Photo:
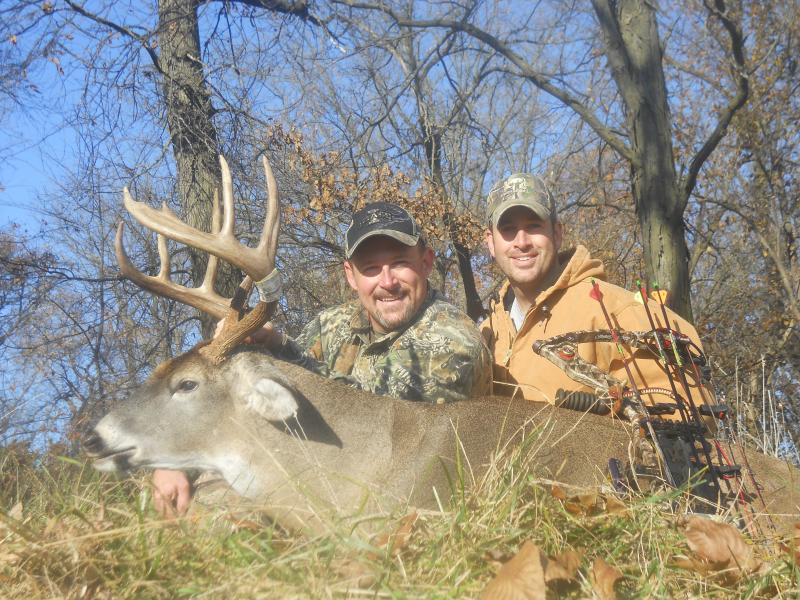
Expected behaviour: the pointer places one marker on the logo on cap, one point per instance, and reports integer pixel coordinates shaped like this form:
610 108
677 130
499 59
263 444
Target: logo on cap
381 218
520 189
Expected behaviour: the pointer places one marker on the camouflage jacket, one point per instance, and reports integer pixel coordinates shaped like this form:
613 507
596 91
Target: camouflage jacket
438 357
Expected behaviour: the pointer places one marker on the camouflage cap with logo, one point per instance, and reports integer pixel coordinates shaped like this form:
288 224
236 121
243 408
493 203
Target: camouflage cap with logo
520 189
381 218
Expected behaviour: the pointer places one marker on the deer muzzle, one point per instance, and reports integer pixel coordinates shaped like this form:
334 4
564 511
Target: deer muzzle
106 457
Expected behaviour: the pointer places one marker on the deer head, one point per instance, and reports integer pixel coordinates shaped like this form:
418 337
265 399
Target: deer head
159 426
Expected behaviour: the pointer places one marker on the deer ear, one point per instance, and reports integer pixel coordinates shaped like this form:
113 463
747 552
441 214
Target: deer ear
272 400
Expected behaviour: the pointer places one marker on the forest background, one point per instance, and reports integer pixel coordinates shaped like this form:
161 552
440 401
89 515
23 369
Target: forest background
668 132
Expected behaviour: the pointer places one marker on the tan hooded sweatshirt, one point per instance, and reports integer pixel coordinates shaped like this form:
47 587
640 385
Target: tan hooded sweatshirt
567 307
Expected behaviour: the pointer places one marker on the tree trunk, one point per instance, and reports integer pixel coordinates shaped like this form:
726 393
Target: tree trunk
433 153
192 132
634 54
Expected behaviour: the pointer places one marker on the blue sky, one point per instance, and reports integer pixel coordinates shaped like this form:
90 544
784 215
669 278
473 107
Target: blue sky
32 144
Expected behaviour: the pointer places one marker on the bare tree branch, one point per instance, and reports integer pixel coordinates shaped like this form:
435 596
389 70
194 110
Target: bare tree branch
144 41
526 70
742 91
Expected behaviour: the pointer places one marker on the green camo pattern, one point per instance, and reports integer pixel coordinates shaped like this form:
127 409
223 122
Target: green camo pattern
439 357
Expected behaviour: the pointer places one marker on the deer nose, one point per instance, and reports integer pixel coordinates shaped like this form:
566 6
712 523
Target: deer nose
92 443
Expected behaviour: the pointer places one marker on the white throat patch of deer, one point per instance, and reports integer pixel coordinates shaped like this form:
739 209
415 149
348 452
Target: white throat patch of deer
305 446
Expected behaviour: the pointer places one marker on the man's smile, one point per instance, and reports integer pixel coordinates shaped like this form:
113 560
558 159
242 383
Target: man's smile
390 299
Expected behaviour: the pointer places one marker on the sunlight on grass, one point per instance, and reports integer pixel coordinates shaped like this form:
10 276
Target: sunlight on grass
67 531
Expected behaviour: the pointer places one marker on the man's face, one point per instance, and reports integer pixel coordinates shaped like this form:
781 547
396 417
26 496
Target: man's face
525 248
390 279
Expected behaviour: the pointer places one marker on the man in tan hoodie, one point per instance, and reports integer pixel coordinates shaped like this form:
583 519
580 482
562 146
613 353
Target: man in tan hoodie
547 294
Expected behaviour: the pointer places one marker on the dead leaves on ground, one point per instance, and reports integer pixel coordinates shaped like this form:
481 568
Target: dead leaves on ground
718 549
588 503
397 539
604 577
521 578
527 575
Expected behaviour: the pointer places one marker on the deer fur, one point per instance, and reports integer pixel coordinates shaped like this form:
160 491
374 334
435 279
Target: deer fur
307 447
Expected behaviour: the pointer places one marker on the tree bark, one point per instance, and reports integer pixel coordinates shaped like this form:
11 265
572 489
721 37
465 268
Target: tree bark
634 55
194 138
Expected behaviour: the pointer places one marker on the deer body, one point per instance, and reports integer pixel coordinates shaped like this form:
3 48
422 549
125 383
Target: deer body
306 446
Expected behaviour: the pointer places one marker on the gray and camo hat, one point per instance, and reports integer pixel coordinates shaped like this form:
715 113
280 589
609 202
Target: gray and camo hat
381 218
520 189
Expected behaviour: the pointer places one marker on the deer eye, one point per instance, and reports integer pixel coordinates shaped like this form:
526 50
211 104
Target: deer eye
187 385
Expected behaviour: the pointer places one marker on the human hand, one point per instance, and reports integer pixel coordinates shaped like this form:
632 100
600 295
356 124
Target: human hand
172 492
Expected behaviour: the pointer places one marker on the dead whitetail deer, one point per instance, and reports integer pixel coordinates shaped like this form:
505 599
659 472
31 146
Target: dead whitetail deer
305 446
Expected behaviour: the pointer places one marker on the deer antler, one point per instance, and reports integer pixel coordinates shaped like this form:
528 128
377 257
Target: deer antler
258 263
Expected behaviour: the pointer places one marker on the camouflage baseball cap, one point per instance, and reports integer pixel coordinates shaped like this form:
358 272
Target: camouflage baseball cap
520 189
381 218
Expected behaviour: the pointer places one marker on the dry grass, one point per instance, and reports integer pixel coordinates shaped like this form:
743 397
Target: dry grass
66 531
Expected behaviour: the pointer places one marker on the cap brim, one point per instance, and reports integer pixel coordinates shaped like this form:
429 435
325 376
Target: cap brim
539 209
403 238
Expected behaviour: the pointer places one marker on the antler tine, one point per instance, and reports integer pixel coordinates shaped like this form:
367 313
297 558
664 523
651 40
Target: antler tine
258 263
237 326
227 198
213 261
223 244
204 300
269 235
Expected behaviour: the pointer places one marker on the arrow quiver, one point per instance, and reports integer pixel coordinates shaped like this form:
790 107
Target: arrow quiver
674 429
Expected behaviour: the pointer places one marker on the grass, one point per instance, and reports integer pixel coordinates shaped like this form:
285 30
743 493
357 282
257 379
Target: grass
68 531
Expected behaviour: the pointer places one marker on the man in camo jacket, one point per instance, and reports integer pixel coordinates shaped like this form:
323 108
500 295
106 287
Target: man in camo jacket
401 338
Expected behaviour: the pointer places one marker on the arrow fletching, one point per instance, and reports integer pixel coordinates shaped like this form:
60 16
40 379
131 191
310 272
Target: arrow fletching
659 296
595 294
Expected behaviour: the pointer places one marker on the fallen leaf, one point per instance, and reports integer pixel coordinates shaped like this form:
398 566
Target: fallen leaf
719 544
604 577
398 539
576 504
521 578
718 548
563 566
583 504
558 492
588 503
614 505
